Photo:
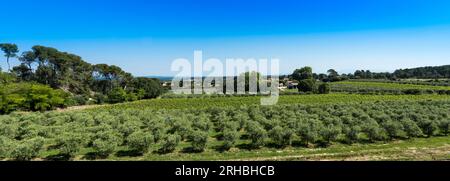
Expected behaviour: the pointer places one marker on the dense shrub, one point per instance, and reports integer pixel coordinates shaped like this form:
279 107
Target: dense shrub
80 99
100 98
306 85
324 88
147 87
133 97
29 97
6 78
117 95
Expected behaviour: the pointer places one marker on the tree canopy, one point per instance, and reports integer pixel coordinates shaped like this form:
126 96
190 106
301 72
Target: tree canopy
10 51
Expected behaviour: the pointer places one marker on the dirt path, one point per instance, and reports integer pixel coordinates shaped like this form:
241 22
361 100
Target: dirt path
74 108
438 153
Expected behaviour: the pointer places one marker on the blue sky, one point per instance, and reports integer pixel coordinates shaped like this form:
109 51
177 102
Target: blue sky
144 37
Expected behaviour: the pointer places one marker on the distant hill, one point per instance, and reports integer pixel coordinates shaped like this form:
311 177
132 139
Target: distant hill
424 72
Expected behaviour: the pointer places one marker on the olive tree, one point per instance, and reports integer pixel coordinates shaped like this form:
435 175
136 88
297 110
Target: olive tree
444 126
229 136
393 128
6 147
330 133
69 144
106 143
352 133
256 133
198 140
140 141
372 129
308 131
170 143
28 149
281 136
429 127
411 128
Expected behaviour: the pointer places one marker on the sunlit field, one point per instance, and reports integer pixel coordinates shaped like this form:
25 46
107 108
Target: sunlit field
300 127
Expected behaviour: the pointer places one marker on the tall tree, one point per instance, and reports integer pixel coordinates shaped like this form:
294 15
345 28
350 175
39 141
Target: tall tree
109 77
333 75
302 74
305 78
10 51
28 58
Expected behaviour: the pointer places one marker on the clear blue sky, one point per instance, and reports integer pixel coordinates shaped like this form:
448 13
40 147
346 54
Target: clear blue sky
144 36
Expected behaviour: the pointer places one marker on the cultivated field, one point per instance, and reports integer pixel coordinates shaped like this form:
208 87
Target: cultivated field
301 127
374 87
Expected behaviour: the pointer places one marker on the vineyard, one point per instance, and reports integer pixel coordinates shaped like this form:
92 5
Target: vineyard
237 101
429 82
376 87
227 127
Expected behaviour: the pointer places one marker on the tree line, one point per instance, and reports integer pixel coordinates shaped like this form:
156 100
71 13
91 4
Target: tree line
429 72
81 81
424 72
307 80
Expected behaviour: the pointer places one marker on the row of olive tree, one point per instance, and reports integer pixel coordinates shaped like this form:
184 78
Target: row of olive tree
140 131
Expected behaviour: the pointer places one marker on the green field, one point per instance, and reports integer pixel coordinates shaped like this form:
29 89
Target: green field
204 103
300 127
382 85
